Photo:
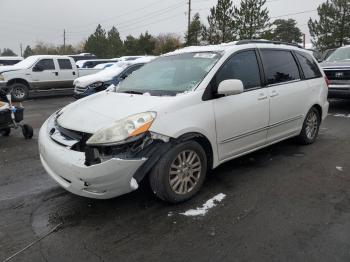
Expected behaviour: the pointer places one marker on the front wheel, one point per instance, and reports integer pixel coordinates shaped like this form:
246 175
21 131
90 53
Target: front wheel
19 92
27 131
180 173
310 128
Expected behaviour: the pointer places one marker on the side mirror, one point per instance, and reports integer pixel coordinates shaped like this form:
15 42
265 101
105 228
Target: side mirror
38 68
230 87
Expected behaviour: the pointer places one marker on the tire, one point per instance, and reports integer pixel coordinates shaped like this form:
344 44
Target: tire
19 92
5 131
27 131
311 127
186 179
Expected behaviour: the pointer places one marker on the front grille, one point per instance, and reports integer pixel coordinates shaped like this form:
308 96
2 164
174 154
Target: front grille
79 138
80 90
337 74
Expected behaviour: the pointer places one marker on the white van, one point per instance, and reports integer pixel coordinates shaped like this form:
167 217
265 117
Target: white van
182 114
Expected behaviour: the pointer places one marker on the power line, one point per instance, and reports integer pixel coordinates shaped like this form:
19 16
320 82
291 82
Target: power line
122 15
131 22
297 13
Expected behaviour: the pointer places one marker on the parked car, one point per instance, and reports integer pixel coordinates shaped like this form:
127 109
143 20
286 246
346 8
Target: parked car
83 56
337 69
127 58
40 73
91 84
316 54
91 63
10 60
327 53
182 114
104 65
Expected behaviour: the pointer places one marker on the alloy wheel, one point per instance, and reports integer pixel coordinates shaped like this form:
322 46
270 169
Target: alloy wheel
185 172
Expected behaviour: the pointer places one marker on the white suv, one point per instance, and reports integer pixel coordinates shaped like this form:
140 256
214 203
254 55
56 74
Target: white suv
182 114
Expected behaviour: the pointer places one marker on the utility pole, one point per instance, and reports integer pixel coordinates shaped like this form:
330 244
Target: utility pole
304 40
189 19
21 48
64 41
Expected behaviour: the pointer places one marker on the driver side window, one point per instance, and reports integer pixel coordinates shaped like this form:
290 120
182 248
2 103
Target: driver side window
46 64
243 66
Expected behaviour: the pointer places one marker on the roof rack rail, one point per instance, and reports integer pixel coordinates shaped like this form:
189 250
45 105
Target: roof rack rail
244 42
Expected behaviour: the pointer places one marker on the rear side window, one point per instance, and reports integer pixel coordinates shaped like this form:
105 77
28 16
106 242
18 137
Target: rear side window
309 66
47 64
65 64
243 66
279 66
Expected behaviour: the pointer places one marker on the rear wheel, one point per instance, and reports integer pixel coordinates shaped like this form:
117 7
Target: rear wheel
311 127
180 173
19 92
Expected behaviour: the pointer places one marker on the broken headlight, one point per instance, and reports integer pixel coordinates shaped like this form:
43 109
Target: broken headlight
122 130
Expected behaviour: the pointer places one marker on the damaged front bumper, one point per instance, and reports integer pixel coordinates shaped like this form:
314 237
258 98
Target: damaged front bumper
102 180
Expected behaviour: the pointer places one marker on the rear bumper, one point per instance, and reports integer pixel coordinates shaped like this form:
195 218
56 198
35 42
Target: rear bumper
109 179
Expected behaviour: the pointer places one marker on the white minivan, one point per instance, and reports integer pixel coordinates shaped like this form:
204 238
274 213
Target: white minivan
182 114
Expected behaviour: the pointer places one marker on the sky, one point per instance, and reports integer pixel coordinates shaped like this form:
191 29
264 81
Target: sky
30 21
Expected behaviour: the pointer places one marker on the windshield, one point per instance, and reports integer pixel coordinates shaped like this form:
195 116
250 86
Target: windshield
341 54
28 62
170 75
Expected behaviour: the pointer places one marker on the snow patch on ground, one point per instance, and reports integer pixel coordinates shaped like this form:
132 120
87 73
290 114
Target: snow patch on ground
342 115
339 168
201 211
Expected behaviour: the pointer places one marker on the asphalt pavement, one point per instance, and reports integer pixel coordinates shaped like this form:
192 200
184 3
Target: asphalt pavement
283 203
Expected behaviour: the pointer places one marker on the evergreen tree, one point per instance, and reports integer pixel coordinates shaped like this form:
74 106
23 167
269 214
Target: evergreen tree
220 23
252 19
193 37
333 28
28 51
131 46
286 31
8 52
115 44
97 43
146 44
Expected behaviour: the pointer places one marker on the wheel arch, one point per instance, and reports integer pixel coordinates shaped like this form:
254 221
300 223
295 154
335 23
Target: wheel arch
204 142
319 109
18 80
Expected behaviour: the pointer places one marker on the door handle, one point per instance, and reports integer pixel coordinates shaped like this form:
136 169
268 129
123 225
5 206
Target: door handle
56 73
262 97
274 93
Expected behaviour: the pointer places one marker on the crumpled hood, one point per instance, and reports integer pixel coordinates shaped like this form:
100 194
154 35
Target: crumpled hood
4 69
102 76
339 64
101 110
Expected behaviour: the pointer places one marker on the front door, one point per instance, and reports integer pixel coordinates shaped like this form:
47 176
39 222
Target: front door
44 74
241 120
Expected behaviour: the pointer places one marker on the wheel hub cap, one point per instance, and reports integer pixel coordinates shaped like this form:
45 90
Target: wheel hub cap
185 172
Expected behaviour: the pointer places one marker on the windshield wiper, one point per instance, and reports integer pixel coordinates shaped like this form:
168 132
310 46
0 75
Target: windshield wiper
132 92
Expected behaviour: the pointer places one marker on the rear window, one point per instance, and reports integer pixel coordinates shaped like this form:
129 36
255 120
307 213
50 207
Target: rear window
279 66
65 64
309 66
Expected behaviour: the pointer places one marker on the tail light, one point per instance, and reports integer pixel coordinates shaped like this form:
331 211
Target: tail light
327 81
